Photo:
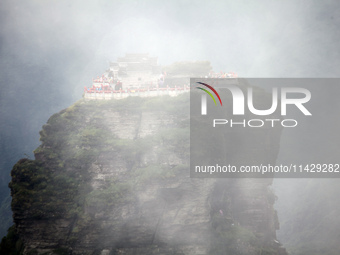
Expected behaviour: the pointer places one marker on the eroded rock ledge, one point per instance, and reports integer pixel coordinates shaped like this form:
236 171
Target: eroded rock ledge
112 178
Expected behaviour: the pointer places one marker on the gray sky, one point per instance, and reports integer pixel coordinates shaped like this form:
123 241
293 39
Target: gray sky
253 38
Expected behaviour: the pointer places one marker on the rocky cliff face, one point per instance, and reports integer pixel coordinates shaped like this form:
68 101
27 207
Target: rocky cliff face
112 178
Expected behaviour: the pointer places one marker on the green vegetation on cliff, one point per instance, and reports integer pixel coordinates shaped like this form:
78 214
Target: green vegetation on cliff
55 184
116 174
11 244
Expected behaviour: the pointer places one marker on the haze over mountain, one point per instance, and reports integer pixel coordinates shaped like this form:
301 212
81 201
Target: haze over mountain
50 50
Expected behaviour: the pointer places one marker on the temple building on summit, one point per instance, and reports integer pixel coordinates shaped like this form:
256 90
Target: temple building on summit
141 75
136 71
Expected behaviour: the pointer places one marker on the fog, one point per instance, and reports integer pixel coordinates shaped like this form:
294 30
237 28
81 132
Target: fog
50 50
262 39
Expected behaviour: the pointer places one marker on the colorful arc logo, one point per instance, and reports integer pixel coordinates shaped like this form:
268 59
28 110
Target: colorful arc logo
213 90
204 97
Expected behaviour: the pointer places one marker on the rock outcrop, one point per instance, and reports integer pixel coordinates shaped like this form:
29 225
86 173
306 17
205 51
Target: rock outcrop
112 178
